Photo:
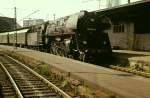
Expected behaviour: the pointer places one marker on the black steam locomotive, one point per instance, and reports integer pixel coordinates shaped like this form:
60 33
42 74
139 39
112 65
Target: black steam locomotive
82 36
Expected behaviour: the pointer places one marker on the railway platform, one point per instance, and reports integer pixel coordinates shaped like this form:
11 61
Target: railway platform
133 58
125 85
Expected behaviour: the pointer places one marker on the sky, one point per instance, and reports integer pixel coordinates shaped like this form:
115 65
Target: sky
45 9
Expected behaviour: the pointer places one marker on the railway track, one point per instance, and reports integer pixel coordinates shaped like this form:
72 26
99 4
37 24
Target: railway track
26 82
7 89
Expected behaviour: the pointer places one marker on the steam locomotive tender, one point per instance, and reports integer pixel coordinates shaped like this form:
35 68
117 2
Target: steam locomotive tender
81 36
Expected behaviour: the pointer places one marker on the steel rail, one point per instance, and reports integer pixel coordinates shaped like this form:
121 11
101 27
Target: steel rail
18 92
58 90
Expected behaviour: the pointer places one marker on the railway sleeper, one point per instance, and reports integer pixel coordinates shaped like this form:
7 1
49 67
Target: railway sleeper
29 89
26 86
37 91
48 95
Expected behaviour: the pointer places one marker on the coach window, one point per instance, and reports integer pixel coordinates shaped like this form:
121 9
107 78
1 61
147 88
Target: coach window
118 28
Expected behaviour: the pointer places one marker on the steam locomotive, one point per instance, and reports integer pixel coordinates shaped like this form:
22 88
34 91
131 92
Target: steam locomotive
82 36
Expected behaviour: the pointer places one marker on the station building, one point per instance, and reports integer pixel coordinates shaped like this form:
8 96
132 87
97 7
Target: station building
130 25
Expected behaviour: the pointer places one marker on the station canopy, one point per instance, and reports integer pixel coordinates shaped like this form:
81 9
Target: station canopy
132 11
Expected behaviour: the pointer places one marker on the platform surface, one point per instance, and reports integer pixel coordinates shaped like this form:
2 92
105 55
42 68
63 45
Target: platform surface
124 84
137 55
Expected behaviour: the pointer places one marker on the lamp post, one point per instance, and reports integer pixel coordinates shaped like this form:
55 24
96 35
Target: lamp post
128 1
54 15
15 28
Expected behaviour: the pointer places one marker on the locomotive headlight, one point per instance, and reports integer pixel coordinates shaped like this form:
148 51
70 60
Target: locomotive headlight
84 42
104 42
92 19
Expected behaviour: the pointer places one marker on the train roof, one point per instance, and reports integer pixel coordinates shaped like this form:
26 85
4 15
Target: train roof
5 33
18 31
